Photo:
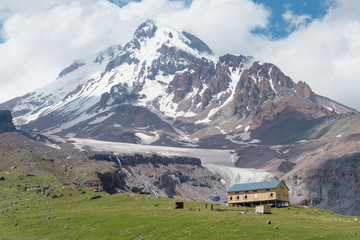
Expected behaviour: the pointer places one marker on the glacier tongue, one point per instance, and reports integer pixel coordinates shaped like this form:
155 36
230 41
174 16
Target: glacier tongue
234 175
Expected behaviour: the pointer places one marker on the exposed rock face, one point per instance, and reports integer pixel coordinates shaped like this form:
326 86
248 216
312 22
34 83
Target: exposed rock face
6 124
154 159
175 177
145 30
75 65
110 180
207 78
196 43
265 82
333 185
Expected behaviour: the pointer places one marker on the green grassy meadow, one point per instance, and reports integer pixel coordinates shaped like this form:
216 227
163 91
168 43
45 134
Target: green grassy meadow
29 212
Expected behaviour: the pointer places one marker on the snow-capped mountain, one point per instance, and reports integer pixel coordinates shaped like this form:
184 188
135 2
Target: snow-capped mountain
166 87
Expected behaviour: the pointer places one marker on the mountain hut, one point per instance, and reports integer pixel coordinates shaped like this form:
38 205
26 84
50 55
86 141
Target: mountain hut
275 193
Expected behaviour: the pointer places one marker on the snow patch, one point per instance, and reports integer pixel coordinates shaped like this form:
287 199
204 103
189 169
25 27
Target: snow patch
100 119
147 139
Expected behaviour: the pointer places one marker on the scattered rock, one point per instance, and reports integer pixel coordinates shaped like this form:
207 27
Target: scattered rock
47 218
268 222
355 219
57 195
95 197
198 209
155 205
2 178
354 233
296 212
276 227
215 198
66 226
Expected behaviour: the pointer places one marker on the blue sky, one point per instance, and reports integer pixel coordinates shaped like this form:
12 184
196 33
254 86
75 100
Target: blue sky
278 27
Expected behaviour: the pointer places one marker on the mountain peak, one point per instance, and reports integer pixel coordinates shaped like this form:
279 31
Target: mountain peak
197 43
145 30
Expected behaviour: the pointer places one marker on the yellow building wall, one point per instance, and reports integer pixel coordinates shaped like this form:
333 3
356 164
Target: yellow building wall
279 193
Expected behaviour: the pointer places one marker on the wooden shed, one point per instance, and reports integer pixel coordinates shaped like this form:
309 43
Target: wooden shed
266 208
275 193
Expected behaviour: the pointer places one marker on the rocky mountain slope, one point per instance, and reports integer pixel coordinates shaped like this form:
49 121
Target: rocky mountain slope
176 177
168 88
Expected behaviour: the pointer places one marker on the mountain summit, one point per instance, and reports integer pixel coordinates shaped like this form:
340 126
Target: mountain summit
167 87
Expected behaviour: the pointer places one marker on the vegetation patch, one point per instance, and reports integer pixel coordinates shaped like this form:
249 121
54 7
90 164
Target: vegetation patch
40 206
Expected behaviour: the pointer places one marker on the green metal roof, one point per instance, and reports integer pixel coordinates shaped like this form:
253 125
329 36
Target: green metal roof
253 186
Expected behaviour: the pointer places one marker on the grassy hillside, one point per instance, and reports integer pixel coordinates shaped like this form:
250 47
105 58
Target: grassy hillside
32 207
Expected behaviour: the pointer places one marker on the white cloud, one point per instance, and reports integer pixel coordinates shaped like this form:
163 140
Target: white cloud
40 42
295 21
42 38
325 54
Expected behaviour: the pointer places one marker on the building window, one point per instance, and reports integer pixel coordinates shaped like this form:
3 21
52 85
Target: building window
237 197
267 190
254 190
236 192
270 195
246 191
230 198
256 196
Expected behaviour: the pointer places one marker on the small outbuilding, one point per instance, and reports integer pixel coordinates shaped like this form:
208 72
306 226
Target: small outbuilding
179 205
274 193
266 208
